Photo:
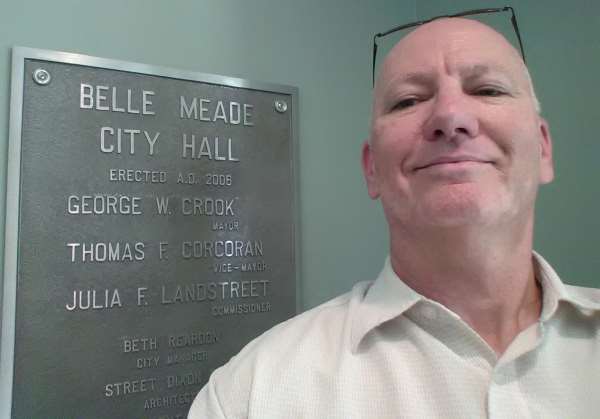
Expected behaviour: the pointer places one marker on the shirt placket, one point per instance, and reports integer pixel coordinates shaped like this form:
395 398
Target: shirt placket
506 396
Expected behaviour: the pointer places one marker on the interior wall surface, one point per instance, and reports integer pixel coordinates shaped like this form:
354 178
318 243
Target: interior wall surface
322 47
562 48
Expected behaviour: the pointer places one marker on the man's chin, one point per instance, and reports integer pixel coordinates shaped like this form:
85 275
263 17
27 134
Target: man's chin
453 207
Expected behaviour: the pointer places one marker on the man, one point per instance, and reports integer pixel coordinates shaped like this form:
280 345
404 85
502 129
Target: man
464 321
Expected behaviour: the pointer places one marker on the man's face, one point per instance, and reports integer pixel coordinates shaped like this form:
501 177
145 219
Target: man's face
455 135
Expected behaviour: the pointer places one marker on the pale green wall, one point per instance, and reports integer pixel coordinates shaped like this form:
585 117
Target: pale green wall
562 46
321 46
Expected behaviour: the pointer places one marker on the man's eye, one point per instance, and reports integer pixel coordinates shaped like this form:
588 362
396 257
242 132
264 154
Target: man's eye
489 91
405 103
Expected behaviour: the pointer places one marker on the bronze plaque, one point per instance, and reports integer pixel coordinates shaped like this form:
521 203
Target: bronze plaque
153 237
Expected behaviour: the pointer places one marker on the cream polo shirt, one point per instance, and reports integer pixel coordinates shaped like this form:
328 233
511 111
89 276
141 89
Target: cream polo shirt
384 351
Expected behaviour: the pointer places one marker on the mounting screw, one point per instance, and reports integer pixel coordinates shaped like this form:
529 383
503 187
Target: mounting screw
41 76
280 105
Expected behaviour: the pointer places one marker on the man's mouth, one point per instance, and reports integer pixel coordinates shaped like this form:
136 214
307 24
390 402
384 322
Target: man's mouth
452 161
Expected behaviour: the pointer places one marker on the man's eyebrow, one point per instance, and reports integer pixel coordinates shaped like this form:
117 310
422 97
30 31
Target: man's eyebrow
473 72
416 77
396 84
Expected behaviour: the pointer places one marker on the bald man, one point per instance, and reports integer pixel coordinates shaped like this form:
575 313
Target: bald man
465 320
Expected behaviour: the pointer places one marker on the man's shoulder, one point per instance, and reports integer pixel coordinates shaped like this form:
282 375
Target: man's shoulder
304 333
310 328
286 356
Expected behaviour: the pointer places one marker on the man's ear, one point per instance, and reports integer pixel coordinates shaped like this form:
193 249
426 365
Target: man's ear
369 170
546 161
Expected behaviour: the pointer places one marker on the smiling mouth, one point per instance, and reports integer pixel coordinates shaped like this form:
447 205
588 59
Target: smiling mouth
452 163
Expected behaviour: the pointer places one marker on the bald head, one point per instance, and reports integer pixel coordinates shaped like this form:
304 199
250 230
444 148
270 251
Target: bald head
455 136
459 43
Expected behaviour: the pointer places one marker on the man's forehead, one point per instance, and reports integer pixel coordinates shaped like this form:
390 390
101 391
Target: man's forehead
467 44
447 30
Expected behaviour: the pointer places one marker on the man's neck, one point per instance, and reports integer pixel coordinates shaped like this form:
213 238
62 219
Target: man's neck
489 283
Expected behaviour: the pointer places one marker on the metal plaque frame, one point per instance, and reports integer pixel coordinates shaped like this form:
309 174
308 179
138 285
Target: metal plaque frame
19 57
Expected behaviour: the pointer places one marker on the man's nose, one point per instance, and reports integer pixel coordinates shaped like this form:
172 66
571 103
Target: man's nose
451 120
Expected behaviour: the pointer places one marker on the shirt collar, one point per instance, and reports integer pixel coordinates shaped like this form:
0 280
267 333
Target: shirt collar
389 297
555 291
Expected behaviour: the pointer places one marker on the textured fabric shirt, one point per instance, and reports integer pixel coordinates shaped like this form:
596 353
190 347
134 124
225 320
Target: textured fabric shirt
384 351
